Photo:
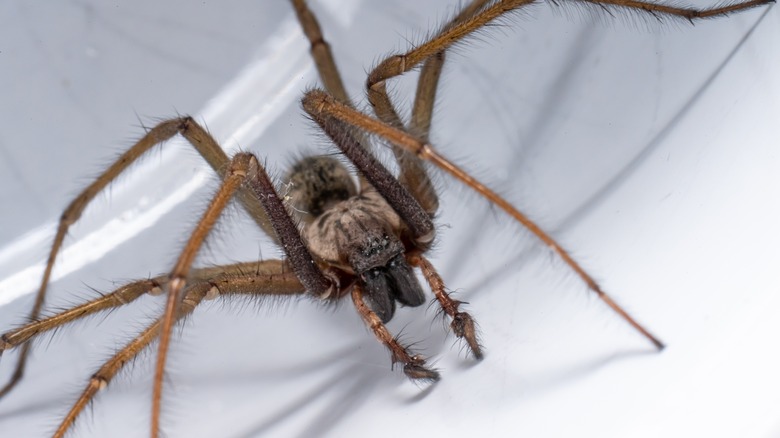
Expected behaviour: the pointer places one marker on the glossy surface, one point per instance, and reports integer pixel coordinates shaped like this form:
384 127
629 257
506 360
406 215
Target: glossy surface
651 155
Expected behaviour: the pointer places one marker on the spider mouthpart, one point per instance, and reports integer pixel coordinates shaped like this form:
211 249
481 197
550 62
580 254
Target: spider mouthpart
378 295
395 281
407 289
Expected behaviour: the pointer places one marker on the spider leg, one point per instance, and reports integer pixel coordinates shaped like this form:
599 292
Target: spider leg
411 212
203 143
412 173
21 335
103 376
479 14
271 277
417 220
474 17
325 62
320 51
689 13
119 297
327 111
239 167
427 84
244 168
414 365
462 323
126 294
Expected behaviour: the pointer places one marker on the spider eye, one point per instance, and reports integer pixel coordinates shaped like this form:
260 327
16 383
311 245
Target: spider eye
373 274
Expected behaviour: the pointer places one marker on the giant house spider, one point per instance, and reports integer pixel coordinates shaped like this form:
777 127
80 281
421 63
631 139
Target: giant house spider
543 332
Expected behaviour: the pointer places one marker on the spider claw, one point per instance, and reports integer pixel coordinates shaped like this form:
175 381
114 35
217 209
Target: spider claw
464 328
416 370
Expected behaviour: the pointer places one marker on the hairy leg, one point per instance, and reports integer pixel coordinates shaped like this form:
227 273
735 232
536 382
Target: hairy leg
203 143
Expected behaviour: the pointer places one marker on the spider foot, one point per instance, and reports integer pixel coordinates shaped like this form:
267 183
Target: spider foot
464 328
415 369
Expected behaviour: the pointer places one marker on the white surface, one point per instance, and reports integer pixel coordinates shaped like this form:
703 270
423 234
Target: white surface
651 155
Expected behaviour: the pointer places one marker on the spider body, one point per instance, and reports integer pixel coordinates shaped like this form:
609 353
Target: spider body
357 233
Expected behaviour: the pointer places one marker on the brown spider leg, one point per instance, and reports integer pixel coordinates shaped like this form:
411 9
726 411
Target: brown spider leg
298 256
413 215
414 176
203 143
125 295
396 65
427 84
412 173
417 220
399 64
462 323
103 376
414 365
239 167
659 9
324 107
473 18
320 51
325 62
425 96
244 167
270 277
121 296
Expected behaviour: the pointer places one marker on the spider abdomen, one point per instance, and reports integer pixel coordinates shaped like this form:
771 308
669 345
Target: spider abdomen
314 184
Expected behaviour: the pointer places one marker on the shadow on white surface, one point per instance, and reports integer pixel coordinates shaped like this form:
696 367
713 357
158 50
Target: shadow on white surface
652 156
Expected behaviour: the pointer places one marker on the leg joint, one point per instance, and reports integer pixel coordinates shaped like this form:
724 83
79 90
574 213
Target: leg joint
185 123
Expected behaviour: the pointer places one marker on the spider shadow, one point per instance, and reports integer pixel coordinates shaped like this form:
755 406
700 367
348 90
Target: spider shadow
350 383
320 378
560 376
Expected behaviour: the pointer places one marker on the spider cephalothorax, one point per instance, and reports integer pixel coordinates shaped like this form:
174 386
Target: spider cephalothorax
358 233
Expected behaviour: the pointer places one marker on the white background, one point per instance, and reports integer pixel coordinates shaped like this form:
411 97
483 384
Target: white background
650 152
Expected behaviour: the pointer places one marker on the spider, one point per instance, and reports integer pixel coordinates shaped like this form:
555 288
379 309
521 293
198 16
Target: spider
340 274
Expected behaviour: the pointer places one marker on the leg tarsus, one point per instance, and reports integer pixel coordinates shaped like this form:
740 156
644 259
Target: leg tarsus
462 323
414 365
464 328
416 370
